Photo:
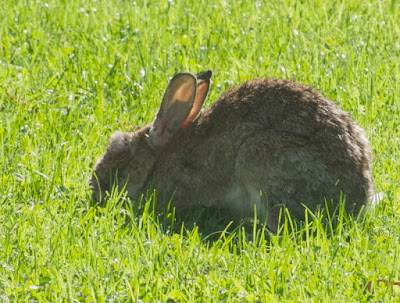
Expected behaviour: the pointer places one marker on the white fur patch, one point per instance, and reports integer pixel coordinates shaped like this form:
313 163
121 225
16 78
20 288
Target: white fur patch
364 138
375 199
243 200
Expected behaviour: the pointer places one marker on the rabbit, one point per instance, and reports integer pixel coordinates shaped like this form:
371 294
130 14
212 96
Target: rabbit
264 146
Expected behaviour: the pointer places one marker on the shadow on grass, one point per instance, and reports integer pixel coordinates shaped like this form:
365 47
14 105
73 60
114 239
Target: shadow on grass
213 224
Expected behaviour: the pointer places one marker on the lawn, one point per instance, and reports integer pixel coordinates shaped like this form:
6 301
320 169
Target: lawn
73 72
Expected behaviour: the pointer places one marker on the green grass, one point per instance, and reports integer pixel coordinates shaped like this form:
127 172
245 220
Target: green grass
72 72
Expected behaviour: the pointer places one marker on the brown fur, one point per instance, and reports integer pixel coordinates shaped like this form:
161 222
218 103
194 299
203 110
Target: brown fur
273 136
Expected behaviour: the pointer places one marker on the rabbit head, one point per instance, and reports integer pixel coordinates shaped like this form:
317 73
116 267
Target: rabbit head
131 157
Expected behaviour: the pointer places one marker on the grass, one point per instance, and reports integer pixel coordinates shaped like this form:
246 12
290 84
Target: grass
73 72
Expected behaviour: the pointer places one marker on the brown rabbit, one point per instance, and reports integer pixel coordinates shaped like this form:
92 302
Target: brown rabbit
263 145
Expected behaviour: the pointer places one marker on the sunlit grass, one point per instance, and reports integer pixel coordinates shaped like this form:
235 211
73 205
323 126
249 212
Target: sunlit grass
72 72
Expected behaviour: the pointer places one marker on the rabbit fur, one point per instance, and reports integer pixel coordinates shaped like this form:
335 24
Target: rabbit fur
264 145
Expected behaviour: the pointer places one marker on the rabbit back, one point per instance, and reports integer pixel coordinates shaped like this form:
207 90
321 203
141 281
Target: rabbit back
272 136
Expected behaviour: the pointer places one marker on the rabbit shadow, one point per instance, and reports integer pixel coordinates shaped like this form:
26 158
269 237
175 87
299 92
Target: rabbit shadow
213 223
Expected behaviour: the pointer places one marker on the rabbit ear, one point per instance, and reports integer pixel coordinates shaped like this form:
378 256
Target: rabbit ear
202 91
175 107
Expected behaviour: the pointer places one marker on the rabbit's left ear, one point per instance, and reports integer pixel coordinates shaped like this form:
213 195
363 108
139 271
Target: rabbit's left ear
202 91
174 109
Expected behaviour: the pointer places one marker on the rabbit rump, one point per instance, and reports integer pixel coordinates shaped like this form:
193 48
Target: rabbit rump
264 145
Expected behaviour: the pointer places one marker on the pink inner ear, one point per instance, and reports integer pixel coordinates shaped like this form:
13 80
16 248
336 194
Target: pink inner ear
184 124
176 105
202 90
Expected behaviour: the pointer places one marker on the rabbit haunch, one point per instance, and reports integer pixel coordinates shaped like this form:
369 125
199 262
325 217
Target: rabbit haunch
275 137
